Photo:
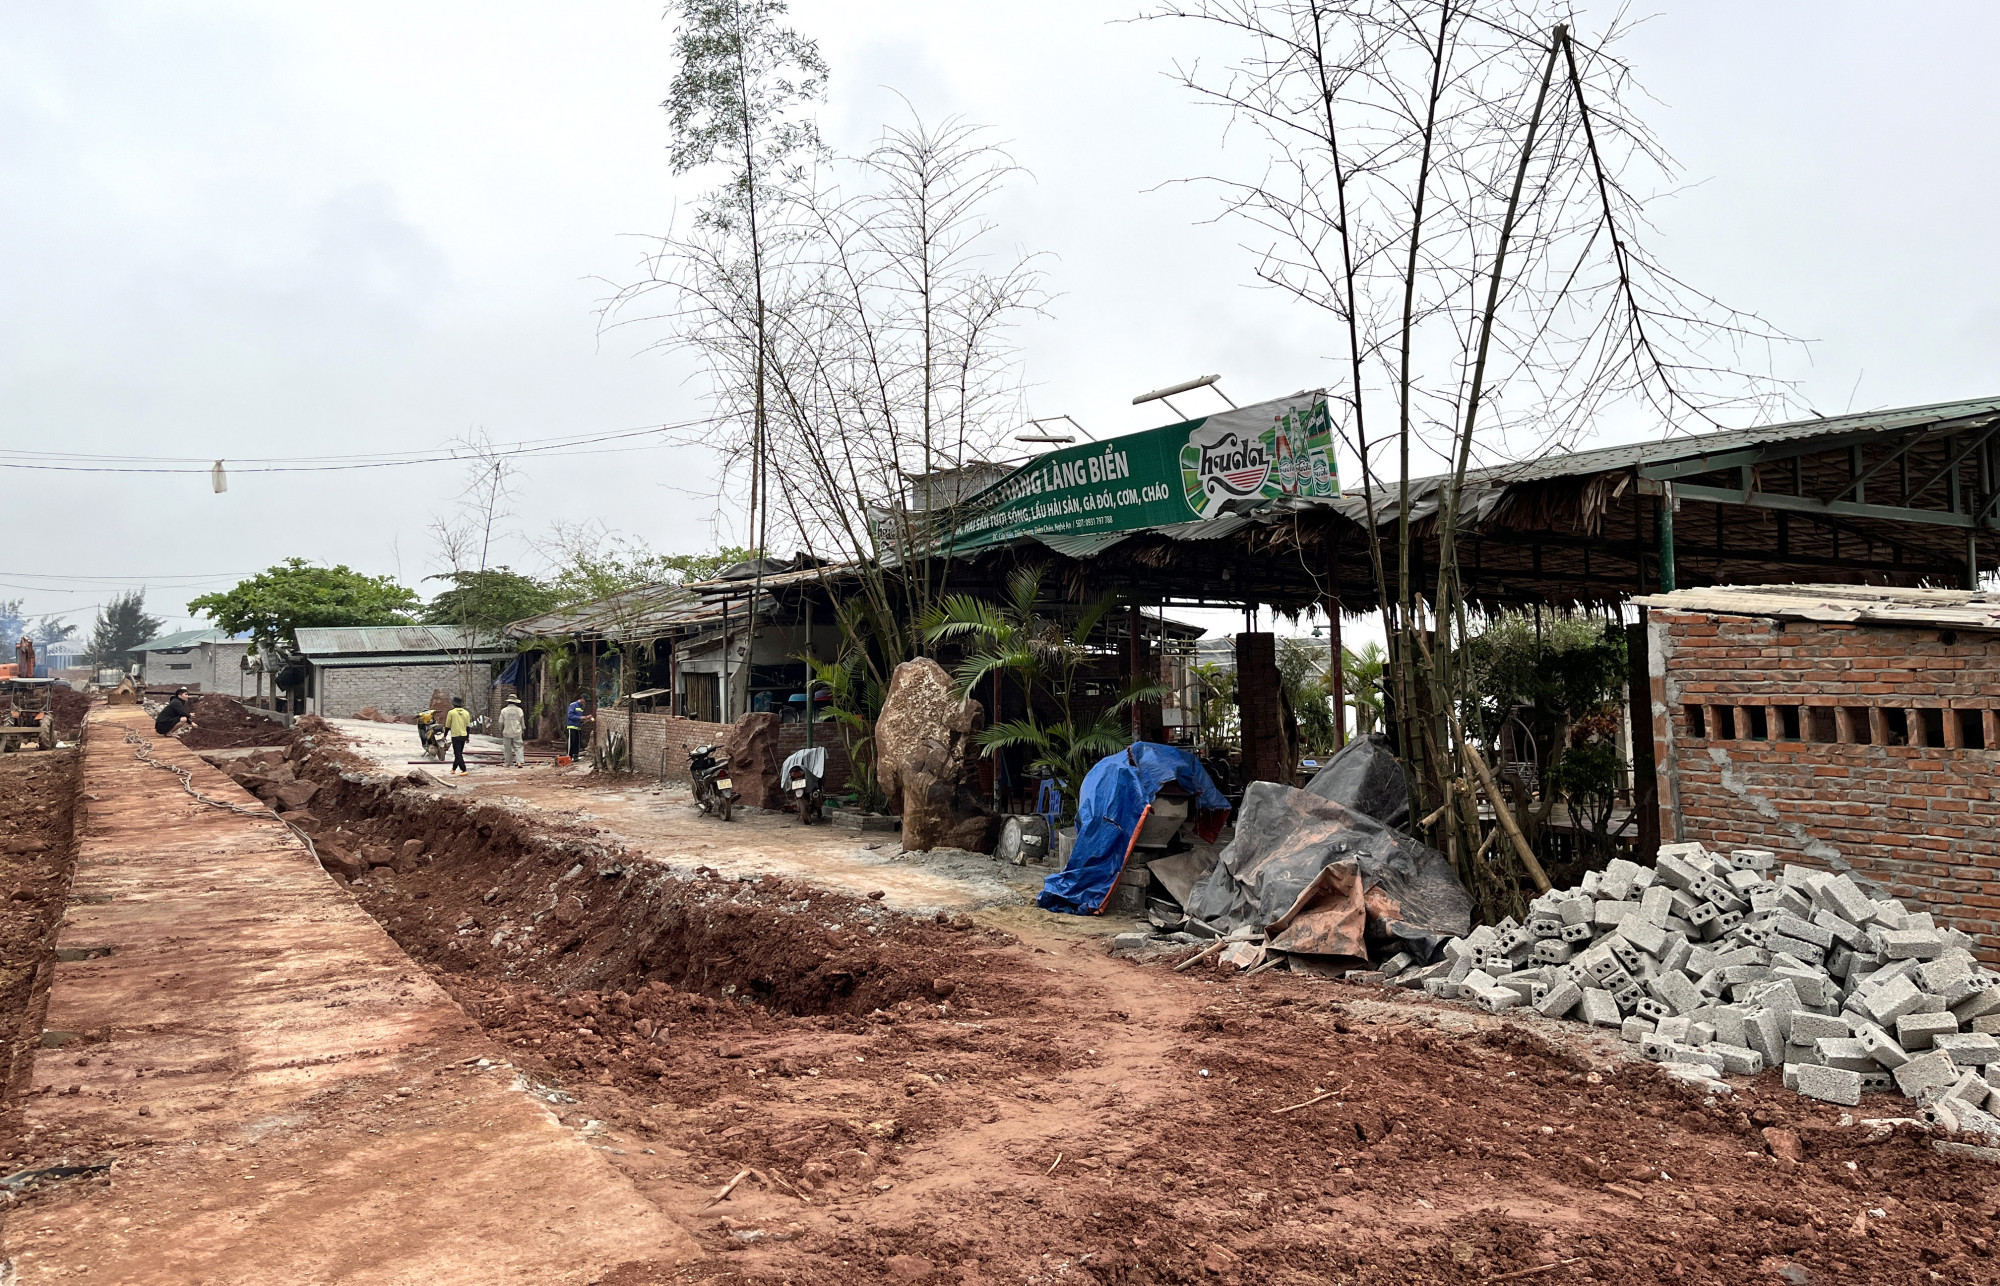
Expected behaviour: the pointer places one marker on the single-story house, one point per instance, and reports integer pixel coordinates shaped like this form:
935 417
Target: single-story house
211 660
395 668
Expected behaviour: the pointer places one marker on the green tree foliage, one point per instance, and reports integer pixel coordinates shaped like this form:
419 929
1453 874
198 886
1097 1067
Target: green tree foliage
121 626
1046 655
485 602
276 603
1559 669
1307 683
592 563
12 623
1364 671
734 101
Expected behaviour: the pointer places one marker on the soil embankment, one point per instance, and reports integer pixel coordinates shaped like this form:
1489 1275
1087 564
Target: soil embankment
37 817
906 1099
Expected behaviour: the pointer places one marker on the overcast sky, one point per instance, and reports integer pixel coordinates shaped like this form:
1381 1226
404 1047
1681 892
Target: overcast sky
236 230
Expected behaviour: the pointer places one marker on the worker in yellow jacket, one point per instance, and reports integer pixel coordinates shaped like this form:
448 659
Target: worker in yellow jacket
458 726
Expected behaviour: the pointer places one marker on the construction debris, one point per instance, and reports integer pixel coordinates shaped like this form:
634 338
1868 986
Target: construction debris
1713 968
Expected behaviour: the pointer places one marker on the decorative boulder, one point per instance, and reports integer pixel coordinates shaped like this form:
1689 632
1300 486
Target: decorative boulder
926 760
752 750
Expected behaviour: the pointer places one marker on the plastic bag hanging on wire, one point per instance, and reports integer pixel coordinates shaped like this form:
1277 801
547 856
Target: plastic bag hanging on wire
218 479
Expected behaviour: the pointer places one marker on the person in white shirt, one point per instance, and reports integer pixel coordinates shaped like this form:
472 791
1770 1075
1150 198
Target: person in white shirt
513 726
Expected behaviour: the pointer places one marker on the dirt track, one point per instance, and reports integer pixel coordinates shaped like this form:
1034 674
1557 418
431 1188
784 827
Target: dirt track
934 1100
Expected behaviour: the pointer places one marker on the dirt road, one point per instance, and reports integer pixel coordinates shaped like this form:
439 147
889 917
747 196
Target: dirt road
888 1097
282 1096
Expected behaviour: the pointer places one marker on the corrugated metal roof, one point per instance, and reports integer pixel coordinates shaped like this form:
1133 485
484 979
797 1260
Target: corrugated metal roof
348 640
1609 459
185 638
1958 609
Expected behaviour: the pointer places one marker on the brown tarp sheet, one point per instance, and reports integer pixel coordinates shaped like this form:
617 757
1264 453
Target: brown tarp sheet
1330 881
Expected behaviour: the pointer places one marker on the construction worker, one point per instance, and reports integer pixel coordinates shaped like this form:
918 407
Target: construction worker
173 714
426 720
575 723
513 726
458 726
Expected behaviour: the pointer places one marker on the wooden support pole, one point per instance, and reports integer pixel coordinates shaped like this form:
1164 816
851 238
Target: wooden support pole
1337 671
1132 632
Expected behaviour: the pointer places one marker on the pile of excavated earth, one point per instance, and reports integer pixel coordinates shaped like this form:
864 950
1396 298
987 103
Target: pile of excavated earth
1710 966
224 723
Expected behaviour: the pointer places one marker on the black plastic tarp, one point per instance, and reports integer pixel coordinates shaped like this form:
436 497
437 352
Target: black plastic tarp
1366 777
1325 879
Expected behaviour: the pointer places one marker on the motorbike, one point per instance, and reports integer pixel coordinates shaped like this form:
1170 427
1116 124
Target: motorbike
713 790
803 777
434 740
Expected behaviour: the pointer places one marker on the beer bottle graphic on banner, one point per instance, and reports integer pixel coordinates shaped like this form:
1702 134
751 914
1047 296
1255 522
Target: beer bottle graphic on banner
1287 460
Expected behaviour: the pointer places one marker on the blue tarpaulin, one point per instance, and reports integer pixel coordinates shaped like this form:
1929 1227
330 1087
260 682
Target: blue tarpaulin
1115 795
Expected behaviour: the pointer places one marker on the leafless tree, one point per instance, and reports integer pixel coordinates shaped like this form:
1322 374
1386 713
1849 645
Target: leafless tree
1457 185
886 355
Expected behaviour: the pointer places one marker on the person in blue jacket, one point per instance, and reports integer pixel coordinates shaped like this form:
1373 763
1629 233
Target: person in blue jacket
575 724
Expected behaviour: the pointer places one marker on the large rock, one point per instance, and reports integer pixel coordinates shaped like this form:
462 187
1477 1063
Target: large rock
752 750
926 760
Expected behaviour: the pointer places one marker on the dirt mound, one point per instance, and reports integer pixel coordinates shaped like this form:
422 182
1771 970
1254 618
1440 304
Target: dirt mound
70 707
37 799
221 723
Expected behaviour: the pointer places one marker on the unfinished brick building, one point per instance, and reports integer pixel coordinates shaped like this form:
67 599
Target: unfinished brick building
1854 728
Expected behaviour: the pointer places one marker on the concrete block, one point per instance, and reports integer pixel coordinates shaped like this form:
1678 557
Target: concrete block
1574 911
1644 934
1675 991
1887 1053
1635 1030
1891 1001
1841 896
1911 944
1576 934
1809 1027
1701 1033
1552 951
1761 1033
1915 1031
1959 990
1970 1089
1544 926
1609 915
1560 1000
1753 859
1877 1082
1791 926
1839 930
1987 1023
1830 1084
1977 1005
1791 1074
1495 999
1674 1027
1736 1060
1599 1009
1628 997
1969 1048
1933 1070
1845 1052
1441 988
1652 1010
1728 1021
1671 868
1805 953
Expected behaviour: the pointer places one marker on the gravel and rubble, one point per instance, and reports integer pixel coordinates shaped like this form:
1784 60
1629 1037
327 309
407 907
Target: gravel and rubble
1715 967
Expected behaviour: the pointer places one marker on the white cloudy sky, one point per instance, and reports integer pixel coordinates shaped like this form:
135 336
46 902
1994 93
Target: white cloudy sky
237 230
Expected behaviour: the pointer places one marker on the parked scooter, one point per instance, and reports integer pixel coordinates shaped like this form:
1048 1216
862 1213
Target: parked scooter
712 788
803 777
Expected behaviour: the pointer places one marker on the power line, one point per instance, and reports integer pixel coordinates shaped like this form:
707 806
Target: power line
74 462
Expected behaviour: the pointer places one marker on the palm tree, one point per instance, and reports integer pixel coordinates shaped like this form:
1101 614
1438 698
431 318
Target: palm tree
1363 671
1014 638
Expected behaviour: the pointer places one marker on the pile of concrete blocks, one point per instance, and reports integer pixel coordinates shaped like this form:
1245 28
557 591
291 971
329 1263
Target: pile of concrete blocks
1712 966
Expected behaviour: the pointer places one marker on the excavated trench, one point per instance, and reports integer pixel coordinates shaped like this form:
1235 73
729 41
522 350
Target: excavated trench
592 960
38 795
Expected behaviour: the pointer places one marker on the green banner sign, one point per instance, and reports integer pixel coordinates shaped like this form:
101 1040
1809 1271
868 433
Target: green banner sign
1231 462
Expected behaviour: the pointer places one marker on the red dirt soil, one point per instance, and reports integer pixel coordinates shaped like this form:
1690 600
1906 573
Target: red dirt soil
37 814
918 1101
221 723
70 707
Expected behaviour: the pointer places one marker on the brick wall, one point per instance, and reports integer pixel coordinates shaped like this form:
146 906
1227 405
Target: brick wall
654 733
1850 748
395 690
